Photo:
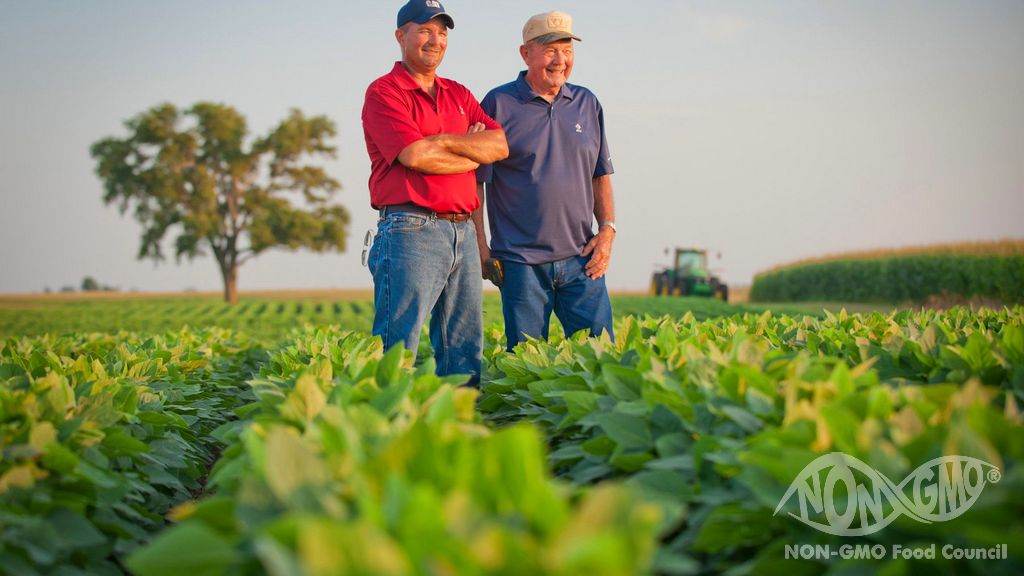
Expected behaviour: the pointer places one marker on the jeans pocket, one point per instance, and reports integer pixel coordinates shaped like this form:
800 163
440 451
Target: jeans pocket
403 222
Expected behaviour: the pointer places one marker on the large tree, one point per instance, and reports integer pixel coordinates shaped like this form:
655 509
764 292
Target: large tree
196 174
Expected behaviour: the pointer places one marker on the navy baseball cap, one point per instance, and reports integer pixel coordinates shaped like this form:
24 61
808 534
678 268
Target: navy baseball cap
421 11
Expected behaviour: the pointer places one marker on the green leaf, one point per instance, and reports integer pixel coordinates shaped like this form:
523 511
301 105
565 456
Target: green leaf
626 430
390 366
665 421
743 418
189 549
682 462
60 459
291 463
217 512
580 403
75 530
843 425
162 418
598 446
673 444
623 383
308 398
389 399
120 442
730 525
59 393
630 461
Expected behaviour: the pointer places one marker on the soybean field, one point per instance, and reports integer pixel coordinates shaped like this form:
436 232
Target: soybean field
176 436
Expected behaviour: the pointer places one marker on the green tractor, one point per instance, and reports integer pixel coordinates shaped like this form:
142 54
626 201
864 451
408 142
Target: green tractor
689 276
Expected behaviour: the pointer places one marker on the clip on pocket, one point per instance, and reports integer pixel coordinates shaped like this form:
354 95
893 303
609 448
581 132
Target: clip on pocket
366 245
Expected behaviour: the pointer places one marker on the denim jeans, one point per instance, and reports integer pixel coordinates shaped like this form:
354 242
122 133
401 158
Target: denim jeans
531 292
424 265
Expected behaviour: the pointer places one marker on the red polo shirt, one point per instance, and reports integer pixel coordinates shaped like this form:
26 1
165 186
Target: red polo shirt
396 113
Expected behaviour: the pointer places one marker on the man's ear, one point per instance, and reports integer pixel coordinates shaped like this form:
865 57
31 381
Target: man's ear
522 52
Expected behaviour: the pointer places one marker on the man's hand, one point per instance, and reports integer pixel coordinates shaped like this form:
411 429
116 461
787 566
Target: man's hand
490 268
485 255
478 127
600 251
494 271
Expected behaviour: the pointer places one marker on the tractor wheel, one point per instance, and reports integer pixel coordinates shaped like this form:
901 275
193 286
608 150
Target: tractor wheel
722 293
658 284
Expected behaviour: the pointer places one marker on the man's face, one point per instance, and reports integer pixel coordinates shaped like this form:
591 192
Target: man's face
423 45
548 65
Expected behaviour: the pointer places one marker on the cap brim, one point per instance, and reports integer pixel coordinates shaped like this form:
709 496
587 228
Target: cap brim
448 19
555 37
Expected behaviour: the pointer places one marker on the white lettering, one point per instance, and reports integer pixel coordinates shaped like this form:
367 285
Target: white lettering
844 475
917 553
857 505
862 552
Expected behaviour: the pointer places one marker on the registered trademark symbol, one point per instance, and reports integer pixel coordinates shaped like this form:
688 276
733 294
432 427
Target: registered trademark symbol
994 475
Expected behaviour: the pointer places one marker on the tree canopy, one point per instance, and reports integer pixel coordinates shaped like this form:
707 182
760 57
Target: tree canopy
197 175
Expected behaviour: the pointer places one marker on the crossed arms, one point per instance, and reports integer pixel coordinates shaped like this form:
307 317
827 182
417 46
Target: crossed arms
455 153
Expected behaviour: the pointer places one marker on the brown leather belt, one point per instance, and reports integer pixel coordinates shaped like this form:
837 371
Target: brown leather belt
417 209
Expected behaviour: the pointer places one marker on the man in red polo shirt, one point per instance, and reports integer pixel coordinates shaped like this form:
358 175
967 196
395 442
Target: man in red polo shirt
426 135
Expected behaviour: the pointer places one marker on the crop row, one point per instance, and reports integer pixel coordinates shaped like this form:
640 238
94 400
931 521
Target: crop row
269 320
354 462
101 435
259 318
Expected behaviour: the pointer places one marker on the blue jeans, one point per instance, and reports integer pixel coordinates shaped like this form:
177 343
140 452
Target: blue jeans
424 265
531 292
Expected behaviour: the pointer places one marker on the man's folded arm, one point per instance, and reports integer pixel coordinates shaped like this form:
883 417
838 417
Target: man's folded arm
430 157
484 147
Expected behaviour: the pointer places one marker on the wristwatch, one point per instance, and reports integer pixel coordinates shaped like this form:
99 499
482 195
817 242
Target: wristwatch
610 224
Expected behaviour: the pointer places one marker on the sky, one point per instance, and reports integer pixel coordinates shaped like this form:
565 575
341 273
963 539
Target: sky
764 131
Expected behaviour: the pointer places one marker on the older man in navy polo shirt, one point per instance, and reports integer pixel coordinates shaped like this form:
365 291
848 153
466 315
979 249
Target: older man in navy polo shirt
542 201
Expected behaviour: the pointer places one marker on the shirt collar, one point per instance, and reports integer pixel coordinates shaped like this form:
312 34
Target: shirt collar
526 93
407 82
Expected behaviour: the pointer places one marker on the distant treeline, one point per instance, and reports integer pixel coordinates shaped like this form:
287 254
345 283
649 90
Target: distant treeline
989 271
89 284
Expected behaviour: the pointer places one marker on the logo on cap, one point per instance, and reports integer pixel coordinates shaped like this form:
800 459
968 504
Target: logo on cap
549 27
421 11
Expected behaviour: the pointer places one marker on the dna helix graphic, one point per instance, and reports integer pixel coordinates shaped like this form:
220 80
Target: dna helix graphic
936 491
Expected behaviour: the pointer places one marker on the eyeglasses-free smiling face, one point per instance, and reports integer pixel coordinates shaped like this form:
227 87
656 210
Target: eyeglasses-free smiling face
423 45
548 65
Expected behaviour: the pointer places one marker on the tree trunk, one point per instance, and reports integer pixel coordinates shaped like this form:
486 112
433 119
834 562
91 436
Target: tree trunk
229 271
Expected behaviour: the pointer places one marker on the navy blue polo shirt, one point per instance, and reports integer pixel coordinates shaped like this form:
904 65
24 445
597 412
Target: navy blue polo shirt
540 200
